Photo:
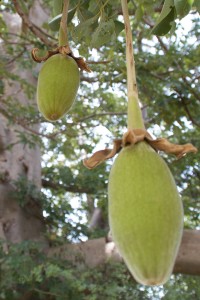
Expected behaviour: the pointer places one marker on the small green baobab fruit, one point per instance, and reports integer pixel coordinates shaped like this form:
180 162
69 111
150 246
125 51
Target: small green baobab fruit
145 213
58 83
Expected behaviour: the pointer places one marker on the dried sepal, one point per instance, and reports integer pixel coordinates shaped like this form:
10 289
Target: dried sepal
82 64
102 155
40 59
65 50
162 144
135 136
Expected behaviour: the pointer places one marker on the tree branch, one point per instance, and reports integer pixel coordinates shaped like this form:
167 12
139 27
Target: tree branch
89 79
96 252
34 29
135 119
179 67
109 113
98 62
185 106
16 56
71 189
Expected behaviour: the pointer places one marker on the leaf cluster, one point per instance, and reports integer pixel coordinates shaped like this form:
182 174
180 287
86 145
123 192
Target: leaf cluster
27 273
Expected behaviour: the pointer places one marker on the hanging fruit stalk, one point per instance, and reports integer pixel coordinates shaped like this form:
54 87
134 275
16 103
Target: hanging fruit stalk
135 119
145 209
63 36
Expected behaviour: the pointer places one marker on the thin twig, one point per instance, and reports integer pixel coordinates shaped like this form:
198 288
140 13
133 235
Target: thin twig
39 33
98 62
17 56
185 106
73 188
45 33
178 65
101 115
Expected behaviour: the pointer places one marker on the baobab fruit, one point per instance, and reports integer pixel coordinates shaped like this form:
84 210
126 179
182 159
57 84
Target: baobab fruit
58 84
145 213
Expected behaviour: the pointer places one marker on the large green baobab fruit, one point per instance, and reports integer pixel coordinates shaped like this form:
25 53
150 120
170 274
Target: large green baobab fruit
58 83
145 213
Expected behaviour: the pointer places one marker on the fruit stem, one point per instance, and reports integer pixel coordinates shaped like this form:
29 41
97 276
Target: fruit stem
135 119
63 38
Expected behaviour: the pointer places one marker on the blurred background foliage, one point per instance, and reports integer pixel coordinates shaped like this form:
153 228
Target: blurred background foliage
168 82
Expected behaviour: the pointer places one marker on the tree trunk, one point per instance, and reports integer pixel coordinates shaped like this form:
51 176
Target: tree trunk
18 221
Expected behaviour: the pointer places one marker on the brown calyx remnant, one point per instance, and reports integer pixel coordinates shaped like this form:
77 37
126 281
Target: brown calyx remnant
135 136
65 50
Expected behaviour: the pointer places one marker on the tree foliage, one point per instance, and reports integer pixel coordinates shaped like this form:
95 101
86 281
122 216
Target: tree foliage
167 76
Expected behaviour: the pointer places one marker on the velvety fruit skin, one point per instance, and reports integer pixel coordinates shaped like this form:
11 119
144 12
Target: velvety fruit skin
58 83
145 213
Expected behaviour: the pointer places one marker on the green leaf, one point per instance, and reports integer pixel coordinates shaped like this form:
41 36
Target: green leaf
139 12
54 24
94 6
167 7
84 14
119 26
84 29
166 24
197 5
103 34
165 21
183 7
57 7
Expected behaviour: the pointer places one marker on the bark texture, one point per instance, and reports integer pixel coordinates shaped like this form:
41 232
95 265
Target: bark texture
18 222
95 252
